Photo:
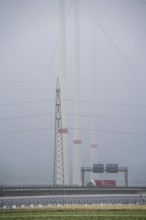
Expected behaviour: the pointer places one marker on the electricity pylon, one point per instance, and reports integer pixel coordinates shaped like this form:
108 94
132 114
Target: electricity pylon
58 147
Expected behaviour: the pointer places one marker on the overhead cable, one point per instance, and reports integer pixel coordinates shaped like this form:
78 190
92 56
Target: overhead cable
25 116
105 103
25 130
26 102
81 129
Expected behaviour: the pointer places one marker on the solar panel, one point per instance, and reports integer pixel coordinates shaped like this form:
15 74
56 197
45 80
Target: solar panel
88 199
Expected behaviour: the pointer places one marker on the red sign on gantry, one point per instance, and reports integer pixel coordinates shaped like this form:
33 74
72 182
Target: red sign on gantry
63 130
77 141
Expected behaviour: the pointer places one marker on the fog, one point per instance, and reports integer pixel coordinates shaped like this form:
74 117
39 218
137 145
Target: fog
108 46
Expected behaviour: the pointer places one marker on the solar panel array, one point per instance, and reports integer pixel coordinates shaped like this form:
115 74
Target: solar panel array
70 200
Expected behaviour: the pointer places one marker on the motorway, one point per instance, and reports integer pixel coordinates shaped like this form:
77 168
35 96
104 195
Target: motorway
43 191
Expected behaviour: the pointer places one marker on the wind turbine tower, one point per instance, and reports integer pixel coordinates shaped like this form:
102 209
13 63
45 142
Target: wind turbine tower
63 85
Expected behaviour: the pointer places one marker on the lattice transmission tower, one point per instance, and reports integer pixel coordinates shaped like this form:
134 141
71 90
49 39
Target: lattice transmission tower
58 147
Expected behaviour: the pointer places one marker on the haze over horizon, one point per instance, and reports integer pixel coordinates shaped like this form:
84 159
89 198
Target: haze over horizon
112 87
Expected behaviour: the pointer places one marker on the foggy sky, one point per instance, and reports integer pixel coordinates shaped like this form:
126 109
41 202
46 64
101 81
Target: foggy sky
112 81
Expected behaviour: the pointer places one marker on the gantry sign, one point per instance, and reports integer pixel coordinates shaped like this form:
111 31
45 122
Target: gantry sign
110 168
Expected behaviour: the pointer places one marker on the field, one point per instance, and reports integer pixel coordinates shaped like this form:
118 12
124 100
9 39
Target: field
77 213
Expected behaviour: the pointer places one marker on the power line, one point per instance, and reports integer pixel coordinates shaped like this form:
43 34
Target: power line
26 102
106 117
25 116
109 131
105 103
73 100
81 129
25 130
72 114
81 79
7 82
99 81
